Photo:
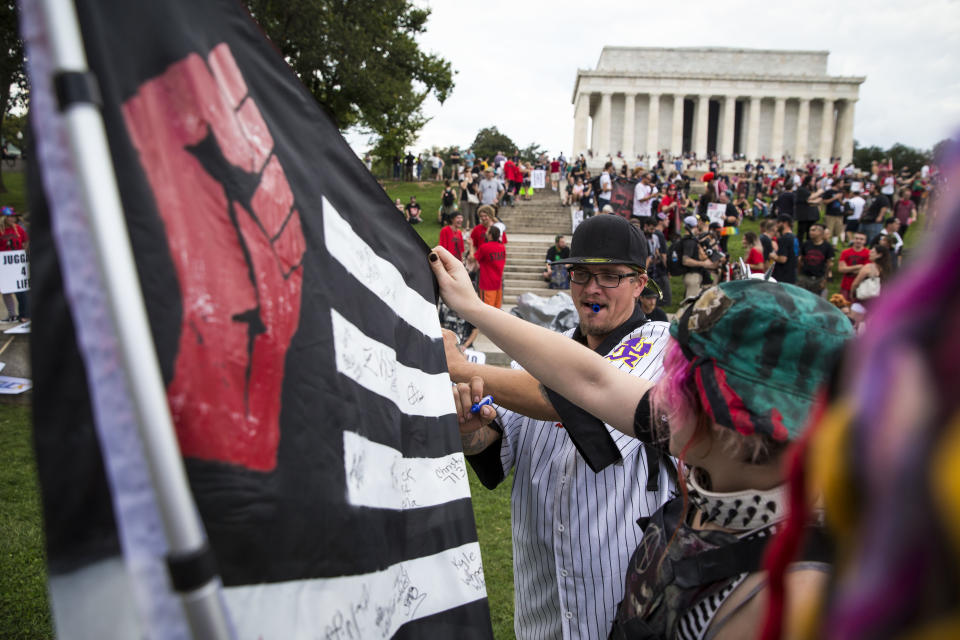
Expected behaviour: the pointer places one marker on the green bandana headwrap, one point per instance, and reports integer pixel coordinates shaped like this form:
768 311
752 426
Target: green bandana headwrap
760 351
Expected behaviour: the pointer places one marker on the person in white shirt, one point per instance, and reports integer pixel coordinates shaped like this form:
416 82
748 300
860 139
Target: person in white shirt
578 485
856 203
890 226
606 186
643 193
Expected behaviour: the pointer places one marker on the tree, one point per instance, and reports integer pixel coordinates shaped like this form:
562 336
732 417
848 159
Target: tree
531 153
864 156
903 156
13 80
361 61
489 141
940 150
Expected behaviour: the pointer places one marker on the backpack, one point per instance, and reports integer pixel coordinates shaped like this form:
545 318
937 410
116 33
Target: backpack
675 257
448 198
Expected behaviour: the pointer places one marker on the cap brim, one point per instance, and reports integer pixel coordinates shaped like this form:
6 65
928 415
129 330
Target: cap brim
584 260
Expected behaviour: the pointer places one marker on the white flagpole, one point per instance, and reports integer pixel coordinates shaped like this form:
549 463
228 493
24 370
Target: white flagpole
186 538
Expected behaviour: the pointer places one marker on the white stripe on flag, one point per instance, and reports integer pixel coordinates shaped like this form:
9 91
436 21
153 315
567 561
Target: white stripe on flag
372 605
379 476
376 274
374 366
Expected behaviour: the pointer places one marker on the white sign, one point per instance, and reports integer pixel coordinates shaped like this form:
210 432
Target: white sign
577 216
716 212
21 328
10 385
538 179
14 271
856 187
476 357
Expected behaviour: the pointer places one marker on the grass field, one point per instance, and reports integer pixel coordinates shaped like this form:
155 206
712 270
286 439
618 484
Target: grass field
24 610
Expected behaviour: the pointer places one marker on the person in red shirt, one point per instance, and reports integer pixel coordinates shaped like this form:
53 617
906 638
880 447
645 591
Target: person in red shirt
851 261
512 175
451 236
754 260
478 233
491 258
13 238
554 174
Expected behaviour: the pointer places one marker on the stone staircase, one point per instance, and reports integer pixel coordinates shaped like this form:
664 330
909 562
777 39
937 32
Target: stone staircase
542 214
531 228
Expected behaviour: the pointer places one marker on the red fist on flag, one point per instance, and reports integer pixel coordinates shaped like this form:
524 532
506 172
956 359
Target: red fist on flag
236 243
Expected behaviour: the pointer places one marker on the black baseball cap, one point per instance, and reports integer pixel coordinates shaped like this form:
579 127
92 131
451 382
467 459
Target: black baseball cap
607 239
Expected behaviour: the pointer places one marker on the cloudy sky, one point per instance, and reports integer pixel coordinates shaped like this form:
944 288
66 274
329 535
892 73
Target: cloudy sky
517 61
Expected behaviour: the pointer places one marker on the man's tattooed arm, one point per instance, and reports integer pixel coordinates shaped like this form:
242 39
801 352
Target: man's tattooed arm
476 441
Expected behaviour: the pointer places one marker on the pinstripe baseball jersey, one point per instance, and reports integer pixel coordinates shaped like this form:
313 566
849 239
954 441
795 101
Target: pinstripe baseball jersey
573 529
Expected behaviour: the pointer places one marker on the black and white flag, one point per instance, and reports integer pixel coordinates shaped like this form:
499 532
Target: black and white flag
294 318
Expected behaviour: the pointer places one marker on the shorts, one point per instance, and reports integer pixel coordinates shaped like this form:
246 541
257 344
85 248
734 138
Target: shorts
813 284
492 298
834 225
853 225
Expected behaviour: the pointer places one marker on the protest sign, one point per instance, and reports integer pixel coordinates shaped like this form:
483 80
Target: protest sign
538 179
716 212
476 357
13 386
14 271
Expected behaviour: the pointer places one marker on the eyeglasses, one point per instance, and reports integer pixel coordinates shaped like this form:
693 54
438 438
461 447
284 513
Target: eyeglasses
605 280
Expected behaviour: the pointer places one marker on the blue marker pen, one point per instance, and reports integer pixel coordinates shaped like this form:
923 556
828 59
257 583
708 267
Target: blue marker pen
484 402
596 308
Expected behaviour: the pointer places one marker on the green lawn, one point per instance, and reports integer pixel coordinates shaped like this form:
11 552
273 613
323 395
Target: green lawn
16 196
492 510
24 612
428 195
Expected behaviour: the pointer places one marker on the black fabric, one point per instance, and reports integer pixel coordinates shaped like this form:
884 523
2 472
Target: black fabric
265 524
784 204
786 271
77 511
815 258
587 432
872 213
657 315
607 240
804 211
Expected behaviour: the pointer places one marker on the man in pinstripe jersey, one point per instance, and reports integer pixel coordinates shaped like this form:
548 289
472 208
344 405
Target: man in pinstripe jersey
579 485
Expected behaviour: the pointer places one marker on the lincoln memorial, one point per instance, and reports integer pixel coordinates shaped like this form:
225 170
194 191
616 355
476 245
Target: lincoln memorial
641 100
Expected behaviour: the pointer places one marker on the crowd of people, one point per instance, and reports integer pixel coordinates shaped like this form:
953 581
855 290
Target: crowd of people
659 485
817 222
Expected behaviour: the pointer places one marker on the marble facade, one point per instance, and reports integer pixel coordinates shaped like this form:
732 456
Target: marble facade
770 103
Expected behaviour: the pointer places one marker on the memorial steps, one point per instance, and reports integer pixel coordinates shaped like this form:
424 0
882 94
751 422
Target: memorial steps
532 226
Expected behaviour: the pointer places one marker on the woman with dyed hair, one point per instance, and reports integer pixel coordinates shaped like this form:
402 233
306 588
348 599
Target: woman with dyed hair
739 379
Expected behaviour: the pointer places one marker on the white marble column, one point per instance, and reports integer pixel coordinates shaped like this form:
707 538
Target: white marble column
581 115
703 113
845 132
676 137
776 141
753 130
803 131
603 135
653 126
629 125
729 113
826 131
